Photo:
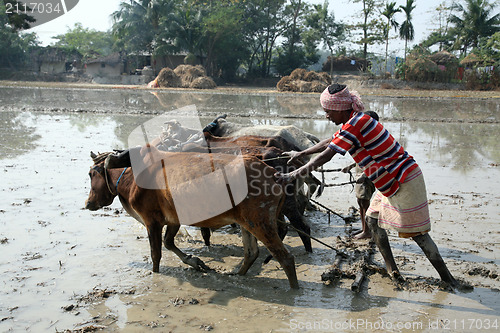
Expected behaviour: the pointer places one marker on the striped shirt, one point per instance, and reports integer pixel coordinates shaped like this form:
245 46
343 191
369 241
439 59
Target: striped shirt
374 149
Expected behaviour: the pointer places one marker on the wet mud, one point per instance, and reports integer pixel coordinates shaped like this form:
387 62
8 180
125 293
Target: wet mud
64 268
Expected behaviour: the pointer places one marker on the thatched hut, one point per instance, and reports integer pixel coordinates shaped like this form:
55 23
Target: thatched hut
301 80
444 58
54 60
112 65
470 60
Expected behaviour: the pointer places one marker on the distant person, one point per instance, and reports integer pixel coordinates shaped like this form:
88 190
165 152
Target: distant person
363 189
400 202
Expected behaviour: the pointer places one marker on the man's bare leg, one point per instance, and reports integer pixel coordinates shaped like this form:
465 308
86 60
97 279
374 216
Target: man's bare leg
365 232
382 240
432 253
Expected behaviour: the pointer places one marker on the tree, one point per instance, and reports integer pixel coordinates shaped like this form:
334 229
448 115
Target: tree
389 11
293 52
181 30
15 46
322 27
86 41
222 31
264 22
372 29
137 23
406 30
17 20
473 22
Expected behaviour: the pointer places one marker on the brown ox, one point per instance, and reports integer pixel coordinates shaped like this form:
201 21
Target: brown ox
272 157
154 208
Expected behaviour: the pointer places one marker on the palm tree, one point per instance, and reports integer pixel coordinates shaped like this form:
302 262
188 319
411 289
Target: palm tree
406 30
138 22
389 11
473 23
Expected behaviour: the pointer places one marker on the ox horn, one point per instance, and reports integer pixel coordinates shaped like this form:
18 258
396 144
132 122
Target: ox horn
93 155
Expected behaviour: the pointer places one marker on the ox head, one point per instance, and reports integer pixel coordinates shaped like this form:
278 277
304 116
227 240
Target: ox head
100 195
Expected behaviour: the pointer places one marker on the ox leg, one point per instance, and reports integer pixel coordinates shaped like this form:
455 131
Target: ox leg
154 235
285 258
251 249
282 231
272 241
205 233
188 259
291 211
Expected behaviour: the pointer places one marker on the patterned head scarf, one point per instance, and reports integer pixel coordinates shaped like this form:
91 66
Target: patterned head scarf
338 98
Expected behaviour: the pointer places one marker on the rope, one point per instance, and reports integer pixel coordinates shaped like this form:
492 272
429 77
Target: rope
341 184
305 234
275 158
328 170
328 209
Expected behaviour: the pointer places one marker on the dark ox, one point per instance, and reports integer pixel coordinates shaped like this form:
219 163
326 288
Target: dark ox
256 214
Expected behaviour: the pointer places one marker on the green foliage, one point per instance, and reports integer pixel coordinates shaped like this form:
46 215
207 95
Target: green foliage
88 42
14 46
17 21
322 27
406 30
472 22
488 50
371 26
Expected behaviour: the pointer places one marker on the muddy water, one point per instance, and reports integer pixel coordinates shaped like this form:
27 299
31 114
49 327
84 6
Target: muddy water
63 267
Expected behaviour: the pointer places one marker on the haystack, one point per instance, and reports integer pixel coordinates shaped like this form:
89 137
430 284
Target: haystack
168 79
189 73
185 76
203 82
300 80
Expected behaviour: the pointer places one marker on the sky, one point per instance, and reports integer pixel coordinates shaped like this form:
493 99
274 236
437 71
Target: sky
95 14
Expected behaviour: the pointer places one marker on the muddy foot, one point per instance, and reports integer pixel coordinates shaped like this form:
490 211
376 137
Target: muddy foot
397 277
363 235
196 263
356 232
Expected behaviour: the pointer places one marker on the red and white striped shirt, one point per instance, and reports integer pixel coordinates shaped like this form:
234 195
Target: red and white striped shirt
374 149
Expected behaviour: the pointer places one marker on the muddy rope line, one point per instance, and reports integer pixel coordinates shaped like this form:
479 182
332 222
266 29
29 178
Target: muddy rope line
307 235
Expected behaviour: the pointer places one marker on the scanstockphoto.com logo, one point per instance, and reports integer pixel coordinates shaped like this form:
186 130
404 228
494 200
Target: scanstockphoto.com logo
38 12
201 185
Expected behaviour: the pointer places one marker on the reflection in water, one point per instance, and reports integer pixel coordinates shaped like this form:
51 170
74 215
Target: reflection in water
460 146
457 136
17 135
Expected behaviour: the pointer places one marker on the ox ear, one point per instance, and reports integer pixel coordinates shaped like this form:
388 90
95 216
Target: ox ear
93 155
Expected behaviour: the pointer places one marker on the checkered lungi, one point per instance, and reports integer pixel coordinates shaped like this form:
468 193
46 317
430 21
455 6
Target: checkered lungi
407 211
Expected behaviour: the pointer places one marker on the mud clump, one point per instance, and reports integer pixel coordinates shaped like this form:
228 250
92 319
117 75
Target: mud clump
475 270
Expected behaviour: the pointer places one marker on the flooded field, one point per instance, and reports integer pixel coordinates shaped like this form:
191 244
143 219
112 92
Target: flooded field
66 268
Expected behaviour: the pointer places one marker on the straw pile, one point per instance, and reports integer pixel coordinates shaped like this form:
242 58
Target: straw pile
185 76
301 80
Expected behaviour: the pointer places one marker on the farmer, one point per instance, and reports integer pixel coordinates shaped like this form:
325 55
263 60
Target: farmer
364 189
400 202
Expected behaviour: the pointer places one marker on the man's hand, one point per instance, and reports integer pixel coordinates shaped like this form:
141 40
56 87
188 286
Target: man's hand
284 178
348 168
293 155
